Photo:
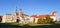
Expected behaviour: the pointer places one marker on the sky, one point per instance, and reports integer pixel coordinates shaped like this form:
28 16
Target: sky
30 7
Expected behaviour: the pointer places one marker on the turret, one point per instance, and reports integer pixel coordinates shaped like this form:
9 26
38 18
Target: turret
54 13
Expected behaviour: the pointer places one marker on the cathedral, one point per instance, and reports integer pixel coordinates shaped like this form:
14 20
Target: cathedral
17 16
20 16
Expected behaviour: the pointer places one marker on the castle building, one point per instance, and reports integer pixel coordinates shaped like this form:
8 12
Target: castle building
53 16
34 18
19 16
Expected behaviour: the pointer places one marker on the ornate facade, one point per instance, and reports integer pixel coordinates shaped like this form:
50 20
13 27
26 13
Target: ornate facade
17 16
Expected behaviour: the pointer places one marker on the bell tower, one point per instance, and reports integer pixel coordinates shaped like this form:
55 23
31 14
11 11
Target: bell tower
21 13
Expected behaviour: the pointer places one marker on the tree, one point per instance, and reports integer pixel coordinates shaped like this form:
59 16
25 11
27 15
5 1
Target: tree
48 20
41 21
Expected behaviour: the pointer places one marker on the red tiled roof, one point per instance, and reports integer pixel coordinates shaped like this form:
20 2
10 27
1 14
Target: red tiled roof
35 16
52 15
41 16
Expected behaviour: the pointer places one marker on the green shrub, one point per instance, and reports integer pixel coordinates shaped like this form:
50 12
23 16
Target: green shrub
48 20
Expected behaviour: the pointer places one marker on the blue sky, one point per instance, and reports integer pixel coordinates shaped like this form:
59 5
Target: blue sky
30 7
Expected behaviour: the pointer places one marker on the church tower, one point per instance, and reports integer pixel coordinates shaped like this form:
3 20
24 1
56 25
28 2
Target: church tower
15 11
15 15
21 13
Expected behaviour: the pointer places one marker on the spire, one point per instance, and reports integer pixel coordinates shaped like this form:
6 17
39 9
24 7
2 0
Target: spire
15 9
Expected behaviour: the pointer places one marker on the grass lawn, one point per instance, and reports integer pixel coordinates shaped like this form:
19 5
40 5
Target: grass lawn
37 24
13 25
8 24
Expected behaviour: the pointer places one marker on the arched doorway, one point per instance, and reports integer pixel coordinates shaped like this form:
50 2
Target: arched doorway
17 20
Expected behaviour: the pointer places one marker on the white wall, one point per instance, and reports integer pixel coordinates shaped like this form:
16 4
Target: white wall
36 20
3 19
7 18
31 19
53 17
